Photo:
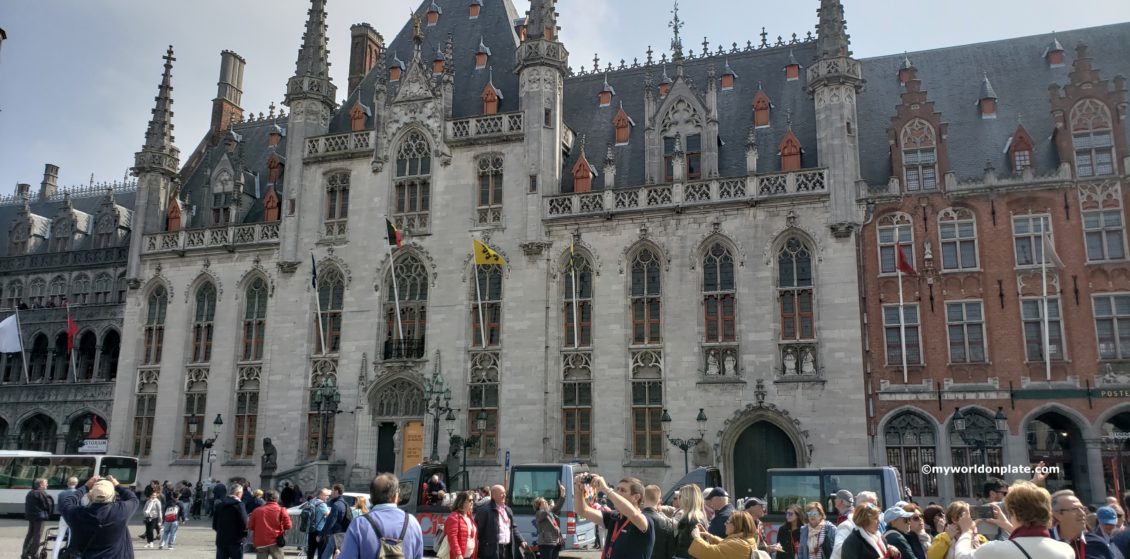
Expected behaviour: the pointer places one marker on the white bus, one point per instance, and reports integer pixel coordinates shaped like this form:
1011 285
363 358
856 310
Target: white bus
19 468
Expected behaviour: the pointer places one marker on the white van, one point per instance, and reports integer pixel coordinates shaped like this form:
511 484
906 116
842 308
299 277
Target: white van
530 481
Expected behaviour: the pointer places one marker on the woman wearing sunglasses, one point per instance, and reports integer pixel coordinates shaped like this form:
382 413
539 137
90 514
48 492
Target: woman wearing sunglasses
788 535
817 536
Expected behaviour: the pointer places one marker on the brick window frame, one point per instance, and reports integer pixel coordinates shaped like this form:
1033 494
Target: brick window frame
1027 238
957 233
892 335
895 231
965 330
1092 139
1112 325
918 144
1031 317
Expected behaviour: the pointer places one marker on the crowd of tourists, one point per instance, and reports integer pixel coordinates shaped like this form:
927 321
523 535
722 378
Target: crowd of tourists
1018 521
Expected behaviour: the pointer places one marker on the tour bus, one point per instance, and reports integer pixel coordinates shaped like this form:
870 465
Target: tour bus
19 468
530 481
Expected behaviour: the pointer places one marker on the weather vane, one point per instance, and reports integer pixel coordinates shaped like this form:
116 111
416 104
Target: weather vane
676 25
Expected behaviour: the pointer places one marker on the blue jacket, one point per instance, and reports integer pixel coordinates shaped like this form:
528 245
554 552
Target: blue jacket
229 520
718 523
361 540
100 530
333 521
829 542
1121 541
320 510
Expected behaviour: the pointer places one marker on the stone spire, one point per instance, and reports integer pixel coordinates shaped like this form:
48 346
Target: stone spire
159 154
831 31
542 18
311 77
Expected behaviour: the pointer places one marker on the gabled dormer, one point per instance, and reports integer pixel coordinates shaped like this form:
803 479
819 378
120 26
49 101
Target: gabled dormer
917 139
173 216
69 228
1088 114
583 172
728 76
433 13
112 223
482 55
792 69
358 115
1021 150
395 68
271 205
28 231
1054 54
682 123
761 108
606 93
490 96
622 125
790 150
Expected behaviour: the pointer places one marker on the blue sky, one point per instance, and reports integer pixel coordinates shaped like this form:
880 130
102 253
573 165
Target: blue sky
77 77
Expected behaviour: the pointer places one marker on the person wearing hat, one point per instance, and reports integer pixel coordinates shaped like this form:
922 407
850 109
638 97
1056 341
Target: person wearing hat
1107 526
719 501
844 502
755 506
897 520
101 529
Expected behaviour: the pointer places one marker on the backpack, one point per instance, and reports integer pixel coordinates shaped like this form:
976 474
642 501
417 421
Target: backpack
171 513
304 518
346 517
389 548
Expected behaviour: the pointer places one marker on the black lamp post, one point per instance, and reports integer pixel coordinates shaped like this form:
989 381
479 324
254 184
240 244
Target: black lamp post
684 444
207 444
437 398
326 399
465 443
981 437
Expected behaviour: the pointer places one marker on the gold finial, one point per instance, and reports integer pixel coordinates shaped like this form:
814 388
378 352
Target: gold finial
417 32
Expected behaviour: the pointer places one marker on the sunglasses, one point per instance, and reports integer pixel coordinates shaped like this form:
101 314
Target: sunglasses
790 513
812 513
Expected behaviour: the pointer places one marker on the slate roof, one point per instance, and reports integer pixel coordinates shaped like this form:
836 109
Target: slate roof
735 111
255 151
494 26
48 209
952 79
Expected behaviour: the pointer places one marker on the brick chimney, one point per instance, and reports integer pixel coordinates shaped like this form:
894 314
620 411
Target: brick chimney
23 189
229 91
50 184
366 48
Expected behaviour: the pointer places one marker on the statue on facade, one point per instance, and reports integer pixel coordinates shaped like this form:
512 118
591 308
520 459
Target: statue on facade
270 456
711 364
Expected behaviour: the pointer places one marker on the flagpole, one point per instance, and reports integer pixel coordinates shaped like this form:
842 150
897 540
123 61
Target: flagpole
23 350
479 299
317 304
576 324
395 290
1047 336
902 323
74 373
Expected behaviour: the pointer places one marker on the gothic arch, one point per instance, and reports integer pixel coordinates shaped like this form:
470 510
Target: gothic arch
415 249
206 275
256 272
1085 427
158 280
469 267
1110 413
742 418
400 135
735 248
38 410
939 426
782 236
397 396
333 261
583 250
656 247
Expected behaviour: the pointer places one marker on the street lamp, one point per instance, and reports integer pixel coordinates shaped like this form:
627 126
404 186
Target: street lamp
437 399
325 399
207 444
981 437
465 443
684 444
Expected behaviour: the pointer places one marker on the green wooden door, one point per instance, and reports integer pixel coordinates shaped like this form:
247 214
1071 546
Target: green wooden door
761 446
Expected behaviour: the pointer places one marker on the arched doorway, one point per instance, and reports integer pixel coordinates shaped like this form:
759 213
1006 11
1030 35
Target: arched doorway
108 361
760 446
398 415
38 433
85 427
1056 440
1116 453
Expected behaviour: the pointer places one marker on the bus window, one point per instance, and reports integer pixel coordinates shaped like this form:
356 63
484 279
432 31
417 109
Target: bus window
787 490
123 469
529 484
407 490
856 483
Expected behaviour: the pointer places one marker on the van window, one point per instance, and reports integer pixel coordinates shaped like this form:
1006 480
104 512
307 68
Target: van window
855 483
787 490
527 485
407 491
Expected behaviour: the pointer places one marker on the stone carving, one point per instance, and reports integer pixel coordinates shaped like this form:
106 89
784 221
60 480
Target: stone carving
270 456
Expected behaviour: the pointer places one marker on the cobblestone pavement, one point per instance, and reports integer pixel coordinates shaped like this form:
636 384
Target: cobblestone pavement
194 541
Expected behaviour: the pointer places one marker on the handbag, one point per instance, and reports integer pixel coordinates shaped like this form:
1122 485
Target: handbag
443 549
280 540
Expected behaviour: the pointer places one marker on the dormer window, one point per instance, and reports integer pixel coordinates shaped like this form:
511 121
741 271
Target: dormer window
433 14
1092 138
481 55
692 155
18 245
988 100
61 234
919 155
490 96
357 116
437 63
906 72
728 76
1053 54
221 208
271 205
583 173
761 107
172 219
395 68
792 69
622 123
474 9
664 83
790 152
1020 149
274 169
606 93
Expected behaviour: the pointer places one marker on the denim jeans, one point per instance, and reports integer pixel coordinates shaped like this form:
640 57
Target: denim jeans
169 536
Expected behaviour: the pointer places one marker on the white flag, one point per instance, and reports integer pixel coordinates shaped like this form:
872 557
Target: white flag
1049 252
10 335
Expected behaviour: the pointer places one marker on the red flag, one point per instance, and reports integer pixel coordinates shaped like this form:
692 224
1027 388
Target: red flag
96 430
394 236
72 328
902 264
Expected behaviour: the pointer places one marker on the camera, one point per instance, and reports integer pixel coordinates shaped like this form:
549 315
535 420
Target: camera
981 512
586 478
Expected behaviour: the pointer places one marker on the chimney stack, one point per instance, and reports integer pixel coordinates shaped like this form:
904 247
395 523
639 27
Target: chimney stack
229 92
366 48
50 184
23 189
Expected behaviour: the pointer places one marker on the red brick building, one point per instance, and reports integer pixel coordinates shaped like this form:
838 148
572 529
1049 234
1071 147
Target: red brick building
994 150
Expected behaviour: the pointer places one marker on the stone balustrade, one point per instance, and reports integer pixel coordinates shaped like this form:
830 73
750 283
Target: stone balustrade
212 237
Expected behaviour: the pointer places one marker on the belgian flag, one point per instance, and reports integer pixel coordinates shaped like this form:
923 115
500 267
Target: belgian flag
394 236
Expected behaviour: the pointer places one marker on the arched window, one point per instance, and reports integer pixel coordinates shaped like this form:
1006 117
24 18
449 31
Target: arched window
61 360
202 327
254 320
911 442
105 231
413 187
1092 138
646 298
108 361
488 296
38 433
795 290
957 230
80 290
37 291
719 296
195 406
964 455
18 244
337 204
155 326
323 370
331 301
246 409
13 370
56 291
87 352
895 233
40 346
103 289
61 233
15 294
490 190
919 155
405 340
483 398
577 292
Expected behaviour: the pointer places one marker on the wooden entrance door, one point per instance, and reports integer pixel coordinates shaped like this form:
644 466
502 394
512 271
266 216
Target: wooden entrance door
761 446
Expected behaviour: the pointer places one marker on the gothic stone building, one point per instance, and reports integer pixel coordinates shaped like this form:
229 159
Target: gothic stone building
66 247
992 147
708 202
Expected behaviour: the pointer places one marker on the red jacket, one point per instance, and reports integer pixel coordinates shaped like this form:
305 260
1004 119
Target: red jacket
455 530
267 523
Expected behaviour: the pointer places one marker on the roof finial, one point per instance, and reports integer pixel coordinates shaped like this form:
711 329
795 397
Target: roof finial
417 31
831 30
158 153
676 26
311 77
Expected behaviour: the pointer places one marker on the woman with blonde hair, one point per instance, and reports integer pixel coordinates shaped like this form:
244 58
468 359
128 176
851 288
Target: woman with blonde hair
942 546
817 535
693 514
360 506
740 541
1030 509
